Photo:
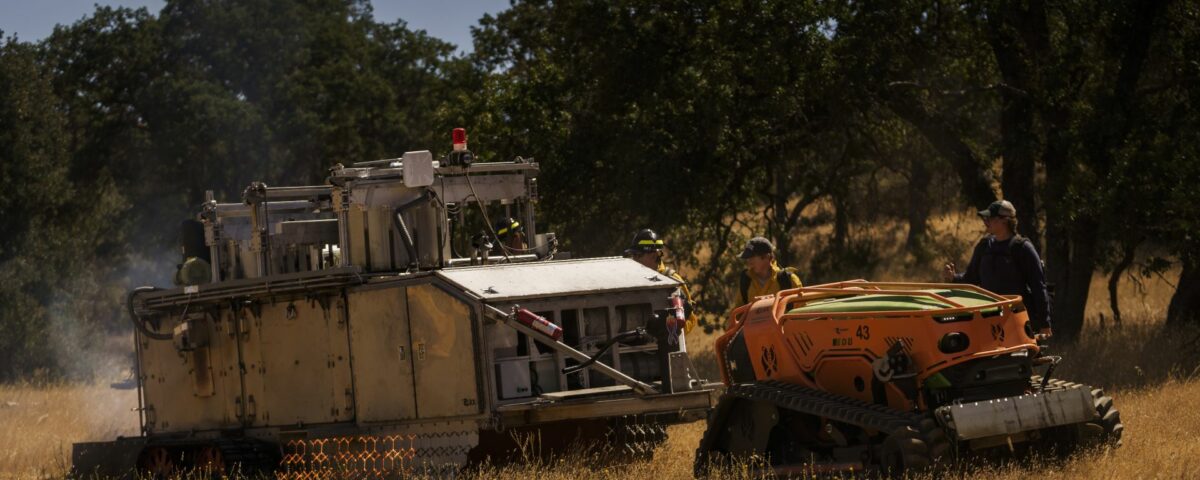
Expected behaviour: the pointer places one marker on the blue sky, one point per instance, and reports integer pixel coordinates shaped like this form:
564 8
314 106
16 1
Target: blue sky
450 20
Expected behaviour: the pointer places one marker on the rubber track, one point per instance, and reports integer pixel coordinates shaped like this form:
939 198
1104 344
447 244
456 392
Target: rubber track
807 401
828 405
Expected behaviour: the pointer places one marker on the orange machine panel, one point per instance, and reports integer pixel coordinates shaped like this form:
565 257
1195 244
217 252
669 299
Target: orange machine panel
830 350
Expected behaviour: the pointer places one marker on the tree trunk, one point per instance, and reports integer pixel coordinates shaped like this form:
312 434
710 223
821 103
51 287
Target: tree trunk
1185 303
1073 288
1058 175
1066 276
1114 281
841 224
1019 39
918 208
1020 148
779 224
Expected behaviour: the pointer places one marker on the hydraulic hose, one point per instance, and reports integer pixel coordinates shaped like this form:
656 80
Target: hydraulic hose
137 321
624 337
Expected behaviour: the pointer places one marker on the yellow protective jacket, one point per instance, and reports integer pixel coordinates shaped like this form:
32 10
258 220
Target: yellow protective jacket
751 286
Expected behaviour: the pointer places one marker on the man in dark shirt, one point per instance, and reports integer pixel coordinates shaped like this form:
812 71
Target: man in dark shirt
1007 263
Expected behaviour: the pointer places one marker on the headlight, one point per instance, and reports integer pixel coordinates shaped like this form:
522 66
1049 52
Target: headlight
954 342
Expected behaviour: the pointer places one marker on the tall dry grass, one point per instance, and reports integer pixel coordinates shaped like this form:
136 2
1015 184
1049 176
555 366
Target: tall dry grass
38 424
1149 372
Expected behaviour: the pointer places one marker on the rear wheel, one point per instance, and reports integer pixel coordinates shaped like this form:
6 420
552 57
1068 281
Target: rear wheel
904 451
208 459
940 448
158 462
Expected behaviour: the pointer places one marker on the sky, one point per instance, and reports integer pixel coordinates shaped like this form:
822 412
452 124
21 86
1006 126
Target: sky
449 20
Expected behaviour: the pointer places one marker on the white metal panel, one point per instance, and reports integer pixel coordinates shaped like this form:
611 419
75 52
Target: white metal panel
538 279
1007 416
418 169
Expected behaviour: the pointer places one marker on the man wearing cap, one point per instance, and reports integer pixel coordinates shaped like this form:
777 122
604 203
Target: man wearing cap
647 249
762 276
1007 263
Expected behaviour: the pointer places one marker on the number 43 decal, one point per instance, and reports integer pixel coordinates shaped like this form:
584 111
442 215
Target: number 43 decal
863 332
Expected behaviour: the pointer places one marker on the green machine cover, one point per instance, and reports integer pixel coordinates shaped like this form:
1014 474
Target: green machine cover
891 302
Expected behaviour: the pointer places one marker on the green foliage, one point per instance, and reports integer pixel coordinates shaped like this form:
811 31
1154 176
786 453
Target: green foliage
708 120
712 109
673 115
55 228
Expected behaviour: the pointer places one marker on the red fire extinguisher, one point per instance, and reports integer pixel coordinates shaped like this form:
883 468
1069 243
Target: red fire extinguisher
539 323
676 317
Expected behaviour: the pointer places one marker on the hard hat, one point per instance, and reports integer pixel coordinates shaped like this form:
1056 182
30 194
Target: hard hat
645 241
506 226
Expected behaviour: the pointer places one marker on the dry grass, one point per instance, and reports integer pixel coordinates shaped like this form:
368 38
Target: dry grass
1146 370
38 424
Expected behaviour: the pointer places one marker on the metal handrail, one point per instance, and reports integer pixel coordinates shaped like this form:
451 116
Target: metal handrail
859 287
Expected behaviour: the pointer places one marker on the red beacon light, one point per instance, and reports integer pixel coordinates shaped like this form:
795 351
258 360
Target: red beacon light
459 156
460 139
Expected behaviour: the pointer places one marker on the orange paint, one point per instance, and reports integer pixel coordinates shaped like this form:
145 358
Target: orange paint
833 351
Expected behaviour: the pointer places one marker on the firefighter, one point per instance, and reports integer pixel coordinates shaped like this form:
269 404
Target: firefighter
647 249
195 269
762 275
511 235
1004 262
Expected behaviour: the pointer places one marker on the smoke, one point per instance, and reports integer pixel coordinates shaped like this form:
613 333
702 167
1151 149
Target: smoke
83 350
88 327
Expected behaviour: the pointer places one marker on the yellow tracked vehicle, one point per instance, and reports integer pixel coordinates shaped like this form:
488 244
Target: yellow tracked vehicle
361 328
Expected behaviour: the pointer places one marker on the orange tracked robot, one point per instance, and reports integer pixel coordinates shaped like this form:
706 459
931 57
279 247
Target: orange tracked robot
892 377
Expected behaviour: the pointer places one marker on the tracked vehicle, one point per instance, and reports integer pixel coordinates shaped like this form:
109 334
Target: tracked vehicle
337 330
892 377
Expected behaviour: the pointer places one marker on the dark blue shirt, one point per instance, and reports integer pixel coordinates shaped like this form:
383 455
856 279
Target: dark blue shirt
1011 269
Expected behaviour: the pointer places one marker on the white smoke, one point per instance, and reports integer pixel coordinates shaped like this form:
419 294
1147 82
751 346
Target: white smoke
89 330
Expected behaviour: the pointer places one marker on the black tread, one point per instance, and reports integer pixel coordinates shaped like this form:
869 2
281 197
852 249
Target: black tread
914 437
636 438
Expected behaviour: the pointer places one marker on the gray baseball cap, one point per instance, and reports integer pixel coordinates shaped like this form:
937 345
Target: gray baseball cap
757 246
999 208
